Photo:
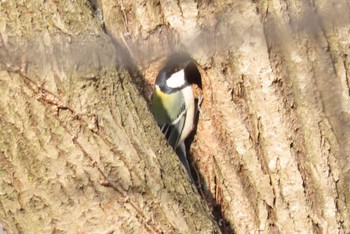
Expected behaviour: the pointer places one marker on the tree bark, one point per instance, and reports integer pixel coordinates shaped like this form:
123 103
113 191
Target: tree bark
80 152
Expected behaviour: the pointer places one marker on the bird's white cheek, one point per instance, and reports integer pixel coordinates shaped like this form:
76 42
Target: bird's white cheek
176 80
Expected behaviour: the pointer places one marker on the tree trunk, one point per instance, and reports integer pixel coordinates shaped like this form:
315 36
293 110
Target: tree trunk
80 152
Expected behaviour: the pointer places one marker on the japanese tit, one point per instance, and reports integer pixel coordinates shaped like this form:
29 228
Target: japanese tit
173 107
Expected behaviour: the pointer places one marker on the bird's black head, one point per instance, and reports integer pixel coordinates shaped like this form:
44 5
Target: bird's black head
174 75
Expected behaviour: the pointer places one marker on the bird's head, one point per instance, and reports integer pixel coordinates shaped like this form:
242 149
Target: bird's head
174 76
171 79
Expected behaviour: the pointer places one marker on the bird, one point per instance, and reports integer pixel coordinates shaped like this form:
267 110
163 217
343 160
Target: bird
173 107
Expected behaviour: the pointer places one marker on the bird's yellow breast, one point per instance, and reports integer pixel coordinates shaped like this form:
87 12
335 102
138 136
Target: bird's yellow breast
165 106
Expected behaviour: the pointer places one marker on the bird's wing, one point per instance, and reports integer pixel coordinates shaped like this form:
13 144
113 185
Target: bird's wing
173 128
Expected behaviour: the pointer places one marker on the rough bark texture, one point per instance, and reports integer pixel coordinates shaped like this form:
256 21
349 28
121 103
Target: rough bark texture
272 146
272 142
80 152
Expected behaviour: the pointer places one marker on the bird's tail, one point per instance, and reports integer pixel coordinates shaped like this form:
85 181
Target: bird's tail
181 153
